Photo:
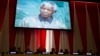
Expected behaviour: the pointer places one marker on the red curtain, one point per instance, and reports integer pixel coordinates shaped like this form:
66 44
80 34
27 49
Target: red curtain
43 39
70 33
99 18
70 38
3 5
12 30
81 16
56 39
93 16
38 38
27 37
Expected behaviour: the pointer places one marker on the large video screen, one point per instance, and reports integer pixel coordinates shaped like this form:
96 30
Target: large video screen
43 14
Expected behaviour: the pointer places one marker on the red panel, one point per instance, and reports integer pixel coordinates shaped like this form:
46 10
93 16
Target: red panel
38 37
43 39
3 4
93 15
70 38
70 33
99 6
56 38
81 16
99 18
12 30
27 36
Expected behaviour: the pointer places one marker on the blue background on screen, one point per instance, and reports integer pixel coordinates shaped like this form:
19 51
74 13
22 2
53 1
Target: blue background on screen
32 8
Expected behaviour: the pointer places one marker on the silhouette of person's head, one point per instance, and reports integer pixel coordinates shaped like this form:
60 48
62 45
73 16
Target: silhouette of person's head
53 49
61 50
44 50
66 51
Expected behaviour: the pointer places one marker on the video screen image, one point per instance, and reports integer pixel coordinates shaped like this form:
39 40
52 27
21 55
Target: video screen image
42 14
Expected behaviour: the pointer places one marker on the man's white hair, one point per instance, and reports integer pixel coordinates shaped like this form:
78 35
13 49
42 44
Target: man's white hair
51 3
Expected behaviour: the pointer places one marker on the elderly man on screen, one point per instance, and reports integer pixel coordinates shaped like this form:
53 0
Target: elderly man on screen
45 18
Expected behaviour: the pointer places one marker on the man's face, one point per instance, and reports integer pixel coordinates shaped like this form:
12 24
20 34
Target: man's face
47 10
